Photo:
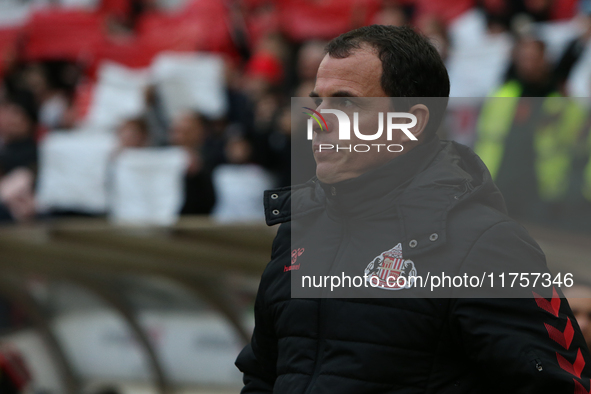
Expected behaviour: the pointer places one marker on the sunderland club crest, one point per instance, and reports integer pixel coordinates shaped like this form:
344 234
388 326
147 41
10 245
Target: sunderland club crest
390 271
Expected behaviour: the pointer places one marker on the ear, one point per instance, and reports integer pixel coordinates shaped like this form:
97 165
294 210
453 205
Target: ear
421 112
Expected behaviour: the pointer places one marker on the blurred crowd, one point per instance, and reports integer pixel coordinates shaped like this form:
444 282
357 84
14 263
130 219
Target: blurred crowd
50 53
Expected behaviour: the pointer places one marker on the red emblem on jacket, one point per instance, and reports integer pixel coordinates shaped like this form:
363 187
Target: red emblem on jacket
294 257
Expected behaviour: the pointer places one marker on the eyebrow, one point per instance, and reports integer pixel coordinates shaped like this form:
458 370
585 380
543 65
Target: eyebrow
338 93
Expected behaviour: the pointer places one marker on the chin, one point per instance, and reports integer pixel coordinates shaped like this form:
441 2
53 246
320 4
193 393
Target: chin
327 173
325 176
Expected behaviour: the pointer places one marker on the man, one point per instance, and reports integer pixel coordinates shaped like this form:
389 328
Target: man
188 131
509 140
430 205
18 160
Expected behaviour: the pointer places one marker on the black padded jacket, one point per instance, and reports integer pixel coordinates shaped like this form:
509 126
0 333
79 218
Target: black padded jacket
439 203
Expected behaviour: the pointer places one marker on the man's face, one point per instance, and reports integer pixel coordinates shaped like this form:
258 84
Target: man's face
338 83
14 123
187 130
530 62
131 136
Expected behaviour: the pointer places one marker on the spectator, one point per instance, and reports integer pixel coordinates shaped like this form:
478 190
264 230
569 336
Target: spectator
238 150
107 390
52 103
304 89
538 10
435 30
17 200
133 133
575 48
240 106
17 128
279 142
266 108
18 162
498 15
188 132
507 129
310 55
392 14
531 72
264 71
239 184
156 119
501 14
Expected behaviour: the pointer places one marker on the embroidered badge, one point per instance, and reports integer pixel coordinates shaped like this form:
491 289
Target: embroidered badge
390 271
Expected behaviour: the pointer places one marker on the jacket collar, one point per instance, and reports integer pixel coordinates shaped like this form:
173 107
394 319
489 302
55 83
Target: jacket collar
287 203
311 195
357 196
422 186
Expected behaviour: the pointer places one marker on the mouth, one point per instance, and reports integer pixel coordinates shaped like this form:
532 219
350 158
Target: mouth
322 150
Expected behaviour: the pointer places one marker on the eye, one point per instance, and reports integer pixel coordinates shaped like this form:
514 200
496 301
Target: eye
347 103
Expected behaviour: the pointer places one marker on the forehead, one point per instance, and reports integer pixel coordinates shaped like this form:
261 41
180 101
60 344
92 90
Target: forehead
358 74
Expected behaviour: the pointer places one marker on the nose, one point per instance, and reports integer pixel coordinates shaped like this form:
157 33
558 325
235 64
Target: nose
319 122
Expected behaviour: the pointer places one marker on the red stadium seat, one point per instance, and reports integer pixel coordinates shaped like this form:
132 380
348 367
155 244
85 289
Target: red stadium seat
61 34
172 32
564 9
120 8
212 16
325 19
200 25
214 11
261 22
446 11
252 4
8 43
134 53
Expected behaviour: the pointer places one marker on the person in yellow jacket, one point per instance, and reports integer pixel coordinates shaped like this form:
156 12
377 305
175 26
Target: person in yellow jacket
527 141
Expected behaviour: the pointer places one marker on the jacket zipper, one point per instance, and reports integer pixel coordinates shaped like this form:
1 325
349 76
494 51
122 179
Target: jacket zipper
321 321
319 347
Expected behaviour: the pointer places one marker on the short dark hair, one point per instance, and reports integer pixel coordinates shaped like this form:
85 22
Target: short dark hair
411 66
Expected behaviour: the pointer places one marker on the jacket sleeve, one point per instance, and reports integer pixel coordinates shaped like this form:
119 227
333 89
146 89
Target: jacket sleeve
521 345
257 361
258 378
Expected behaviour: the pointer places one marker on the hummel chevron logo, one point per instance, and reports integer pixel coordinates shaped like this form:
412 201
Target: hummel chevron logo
579 389
294 257
575 368
552 306
565 338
